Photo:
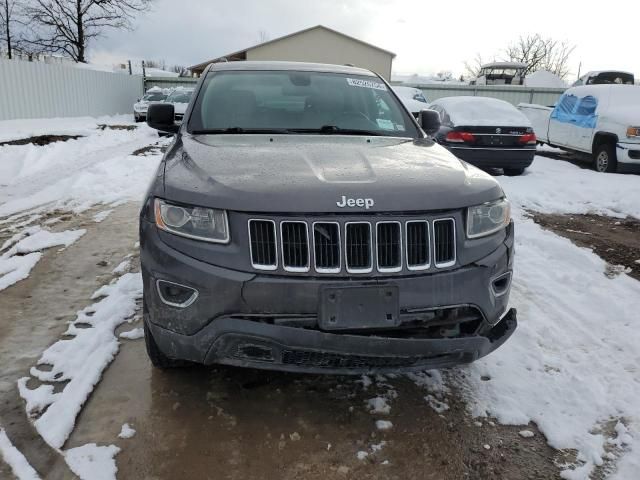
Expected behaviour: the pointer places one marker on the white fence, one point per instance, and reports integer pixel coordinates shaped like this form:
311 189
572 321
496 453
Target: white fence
512 94
41 90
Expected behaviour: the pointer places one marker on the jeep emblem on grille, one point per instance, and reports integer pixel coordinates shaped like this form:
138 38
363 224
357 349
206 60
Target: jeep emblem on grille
367 203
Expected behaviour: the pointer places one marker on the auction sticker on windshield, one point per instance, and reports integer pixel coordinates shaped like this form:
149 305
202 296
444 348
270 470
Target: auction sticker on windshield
357 82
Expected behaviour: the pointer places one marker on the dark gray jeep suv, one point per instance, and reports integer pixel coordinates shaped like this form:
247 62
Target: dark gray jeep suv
302 220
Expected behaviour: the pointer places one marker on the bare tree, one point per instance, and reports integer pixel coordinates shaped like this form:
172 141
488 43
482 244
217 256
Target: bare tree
473 67
8 18
68 26
541 53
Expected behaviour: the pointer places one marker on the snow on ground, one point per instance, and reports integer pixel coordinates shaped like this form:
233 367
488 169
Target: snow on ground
19 129
80 360
75 174
14 458
25 251
555 186
93 462
134 334
572 365
126 431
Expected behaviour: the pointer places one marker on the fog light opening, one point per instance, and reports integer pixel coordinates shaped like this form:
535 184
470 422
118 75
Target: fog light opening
256 352
500 285
176 295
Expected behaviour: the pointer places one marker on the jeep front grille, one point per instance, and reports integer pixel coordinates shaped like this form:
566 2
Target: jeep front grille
389 249
263 246
295 246
444 246
355 247
417 245
326 241
358 247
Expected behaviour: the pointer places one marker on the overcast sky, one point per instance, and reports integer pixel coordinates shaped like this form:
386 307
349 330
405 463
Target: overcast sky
427 36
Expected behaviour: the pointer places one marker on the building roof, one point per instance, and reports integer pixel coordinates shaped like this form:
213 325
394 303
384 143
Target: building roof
291 66
201 66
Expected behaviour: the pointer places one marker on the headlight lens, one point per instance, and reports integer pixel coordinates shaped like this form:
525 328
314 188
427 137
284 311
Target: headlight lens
633 131
207 224
488 218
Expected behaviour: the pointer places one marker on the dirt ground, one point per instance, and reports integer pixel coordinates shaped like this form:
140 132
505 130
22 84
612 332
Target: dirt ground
615 240
229 423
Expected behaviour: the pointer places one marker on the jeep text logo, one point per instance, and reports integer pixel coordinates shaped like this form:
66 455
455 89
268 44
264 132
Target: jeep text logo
367 203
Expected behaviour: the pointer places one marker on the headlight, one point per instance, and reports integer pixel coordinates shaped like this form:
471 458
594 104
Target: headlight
207 224
633 131
488 218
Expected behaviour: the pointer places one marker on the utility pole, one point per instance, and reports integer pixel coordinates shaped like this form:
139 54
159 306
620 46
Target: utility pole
129 62
579 68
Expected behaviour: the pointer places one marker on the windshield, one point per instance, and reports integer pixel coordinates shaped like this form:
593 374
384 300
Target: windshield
298 102
154 97
180 96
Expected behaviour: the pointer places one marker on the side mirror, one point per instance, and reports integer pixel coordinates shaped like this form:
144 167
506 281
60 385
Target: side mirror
161 117
429 121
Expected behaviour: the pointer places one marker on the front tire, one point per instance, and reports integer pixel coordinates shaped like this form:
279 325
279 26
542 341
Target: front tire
513 172
604 158
159 359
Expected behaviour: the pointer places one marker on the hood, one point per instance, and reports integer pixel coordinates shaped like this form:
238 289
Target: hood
627 116
312 173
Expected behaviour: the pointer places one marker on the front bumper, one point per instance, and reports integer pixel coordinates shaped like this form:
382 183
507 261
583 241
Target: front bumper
494 157
221 325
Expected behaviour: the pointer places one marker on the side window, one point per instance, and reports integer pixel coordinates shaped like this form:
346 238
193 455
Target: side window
585 115
563 111
587 106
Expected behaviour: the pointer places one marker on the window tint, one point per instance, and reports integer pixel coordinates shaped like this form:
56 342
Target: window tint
289 100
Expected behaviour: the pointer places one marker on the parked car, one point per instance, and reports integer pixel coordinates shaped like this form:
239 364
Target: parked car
140 107
600 120
486 132
501 73
413 98
180 98
605 77
294 225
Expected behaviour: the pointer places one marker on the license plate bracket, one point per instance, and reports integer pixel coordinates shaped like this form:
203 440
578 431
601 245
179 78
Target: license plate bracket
359 307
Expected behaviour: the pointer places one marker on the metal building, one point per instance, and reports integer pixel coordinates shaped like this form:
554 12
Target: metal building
318 44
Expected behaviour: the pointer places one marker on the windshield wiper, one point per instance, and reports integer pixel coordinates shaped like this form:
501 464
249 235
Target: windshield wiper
334 130
239 130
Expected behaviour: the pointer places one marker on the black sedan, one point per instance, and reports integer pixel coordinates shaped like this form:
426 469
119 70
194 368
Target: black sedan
486 132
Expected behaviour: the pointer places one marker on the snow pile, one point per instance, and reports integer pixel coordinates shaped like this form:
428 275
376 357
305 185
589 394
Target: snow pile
80 360
572 365
126 431
14 458
134 334
92 462
24 253
378 405
553 186
544 79
384 425
77 174
84 126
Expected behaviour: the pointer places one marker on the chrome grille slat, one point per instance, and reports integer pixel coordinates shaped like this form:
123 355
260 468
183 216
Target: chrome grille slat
417 245
388 246
374 243
358 247
262 244
444 245
294 246
326 241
